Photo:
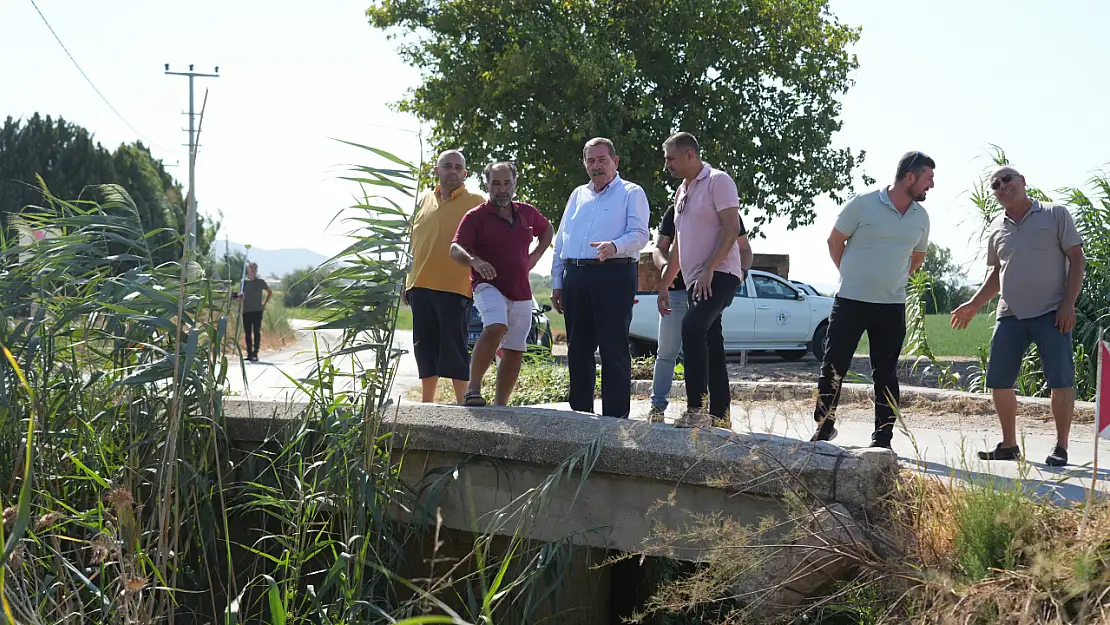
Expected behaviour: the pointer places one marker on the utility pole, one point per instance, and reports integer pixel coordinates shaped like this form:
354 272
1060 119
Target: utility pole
191 209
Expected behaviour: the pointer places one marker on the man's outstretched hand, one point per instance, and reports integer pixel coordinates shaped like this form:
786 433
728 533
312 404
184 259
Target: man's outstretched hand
963 315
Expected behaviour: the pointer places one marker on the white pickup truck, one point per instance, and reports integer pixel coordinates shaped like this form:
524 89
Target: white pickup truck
767 314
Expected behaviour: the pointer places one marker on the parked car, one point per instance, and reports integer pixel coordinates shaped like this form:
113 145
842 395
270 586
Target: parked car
767 314
540 334
805 287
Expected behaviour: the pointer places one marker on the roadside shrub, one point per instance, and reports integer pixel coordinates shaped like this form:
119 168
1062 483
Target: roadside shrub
989 522
643 368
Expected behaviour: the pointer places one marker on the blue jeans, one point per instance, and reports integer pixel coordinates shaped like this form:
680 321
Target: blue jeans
1011 339
669 348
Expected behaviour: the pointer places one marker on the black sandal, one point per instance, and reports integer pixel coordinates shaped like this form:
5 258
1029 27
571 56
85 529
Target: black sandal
1002 453
474 398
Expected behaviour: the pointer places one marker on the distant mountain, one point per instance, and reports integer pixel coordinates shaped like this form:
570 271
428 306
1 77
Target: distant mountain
274 262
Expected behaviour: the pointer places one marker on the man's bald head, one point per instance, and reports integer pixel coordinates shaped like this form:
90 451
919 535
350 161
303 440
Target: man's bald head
1008 186
451 155
451 170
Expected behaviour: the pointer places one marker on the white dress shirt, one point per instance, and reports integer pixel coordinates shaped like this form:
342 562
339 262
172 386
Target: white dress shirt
619 214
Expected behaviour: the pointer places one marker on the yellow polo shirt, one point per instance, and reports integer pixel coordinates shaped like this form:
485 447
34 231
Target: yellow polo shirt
432 232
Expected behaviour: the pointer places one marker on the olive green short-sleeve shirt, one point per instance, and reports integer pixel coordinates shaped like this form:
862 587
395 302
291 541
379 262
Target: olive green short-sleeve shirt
252 295
1032 260
876 262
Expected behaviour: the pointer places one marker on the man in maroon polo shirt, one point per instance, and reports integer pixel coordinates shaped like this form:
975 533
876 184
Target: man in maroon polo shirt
495 241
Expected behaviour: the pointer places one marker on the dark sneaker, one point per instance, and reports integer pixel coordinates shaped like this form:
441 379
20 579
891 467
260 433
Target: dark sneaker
655 415
694 419
826 431
880 443
1058 457
1002 453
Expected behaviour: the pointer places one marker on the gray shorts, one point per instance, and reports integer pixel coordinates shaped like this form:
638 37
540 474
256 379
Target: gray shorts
1010 341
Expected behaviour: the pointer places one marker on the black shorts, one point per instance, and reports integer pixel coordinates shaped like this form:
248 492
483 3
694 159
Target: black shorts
439 326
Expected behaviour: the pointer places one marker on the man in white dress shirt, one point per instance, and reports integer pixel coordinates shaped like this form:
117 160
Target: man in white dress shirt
594 278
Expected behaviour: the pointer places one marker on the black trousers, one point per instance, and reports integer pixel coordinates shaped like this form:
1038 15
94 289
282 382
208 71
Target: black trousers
597 304
439 328
703 346
252 325
885 325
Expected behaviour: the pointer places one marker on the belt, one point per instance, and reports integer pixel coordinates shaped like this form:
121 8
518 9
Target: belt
587 262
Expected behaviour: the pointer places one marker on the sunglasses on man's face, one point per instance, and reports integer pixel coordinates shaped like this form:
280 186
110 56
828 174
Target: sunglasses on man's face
998 182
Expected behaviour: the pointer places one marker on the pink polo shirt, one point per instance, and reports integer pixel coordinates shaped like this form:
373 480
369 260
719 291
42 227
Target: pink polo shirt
698 225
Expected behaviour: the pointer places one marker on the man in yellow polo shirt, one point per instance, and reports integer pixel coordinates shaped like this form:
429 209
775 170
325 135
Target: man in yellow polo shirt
438 289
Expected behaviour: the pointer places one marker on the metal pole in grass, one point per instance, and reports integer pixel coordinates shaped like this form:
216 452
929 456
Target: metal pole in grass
1102 361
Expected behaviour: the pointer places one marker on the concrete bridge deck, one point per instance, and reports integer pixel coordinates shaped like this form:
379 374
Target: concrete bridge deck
642 477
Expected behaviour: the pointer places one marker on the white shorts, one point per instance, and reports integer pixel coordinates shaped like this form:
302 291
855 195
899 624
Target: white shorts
495 308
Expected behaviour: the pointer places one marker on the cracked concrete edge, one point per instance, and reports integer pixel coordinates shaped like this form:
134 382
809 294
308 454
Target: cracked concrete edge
755 464
851 391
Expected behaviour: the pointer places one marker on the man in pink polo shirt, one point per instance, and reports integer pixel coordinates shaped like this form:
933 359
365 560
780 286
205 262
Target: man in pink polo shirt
495 241
707 248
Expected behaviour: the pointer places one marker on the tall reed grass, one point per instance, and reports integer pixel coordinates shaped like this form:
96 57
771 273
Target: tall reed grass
125 501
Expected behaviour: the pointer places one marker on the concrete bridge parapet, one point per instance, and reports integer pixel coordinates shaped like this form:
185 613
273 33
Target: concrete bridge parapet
642 476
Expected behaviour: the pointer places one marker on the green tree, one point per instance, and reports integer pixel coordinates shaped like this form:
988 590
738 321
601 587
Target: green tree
72 164
757 81
948 289
229 266
299 284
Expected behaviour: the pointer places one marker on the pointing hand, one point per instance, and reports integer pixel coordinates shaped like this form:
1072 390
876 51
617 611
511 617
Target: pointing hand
605 250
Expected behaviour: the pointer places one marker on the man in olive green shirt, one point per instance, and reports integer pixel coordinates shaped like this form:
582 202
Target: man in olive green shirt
253 309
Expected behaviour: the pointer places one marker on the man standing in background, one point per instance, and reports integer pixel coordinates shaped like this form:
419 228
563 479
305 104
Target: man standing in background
253 309
1036 258
594 278
438 289
879 240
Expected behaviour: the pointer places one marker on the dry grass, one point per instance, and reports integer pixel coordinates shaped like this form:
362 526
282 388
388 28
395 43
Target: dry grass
925 538
1056 576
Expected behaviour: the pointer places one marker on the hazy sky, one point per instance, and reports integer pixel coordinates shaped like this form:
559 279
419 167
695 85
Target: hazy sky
945 77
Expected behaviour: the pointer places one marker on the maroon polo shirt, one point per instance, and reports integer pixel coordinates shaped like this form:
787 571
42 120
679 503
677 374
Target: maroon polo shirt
502 244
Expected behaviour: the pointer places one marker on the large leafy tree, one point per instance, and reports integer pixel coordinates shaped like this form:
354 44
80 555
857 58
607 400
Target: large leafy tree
72 165
757 81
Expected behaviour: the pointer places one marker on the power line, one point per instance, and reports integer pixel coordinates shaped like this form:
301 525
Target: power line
89 80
